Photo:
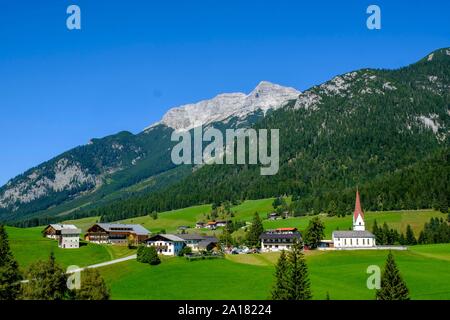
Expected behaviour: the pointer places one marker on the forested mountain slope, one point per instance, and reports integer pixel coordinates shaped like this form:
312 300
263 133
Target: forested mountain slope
370 128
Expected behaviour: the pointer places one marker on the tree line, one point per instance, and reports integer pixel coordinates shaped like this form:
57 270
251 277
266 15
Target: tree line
437 230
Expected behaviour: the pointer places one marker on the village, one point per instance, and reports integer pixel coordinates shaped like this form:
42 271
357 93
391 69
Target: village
274 240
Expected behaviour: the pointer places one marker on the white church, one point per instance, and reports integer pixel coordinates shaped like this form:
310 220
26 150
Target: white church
359 237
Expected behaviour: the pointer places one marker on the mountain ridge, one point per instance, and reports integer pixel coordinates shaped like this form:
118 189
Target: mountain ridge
123 160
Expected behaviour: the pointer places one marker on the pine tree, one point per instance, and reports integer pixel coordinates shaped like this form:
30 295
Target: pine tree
46 281
377 233
392 285
93 287
410 238
255 231
443 203
298 280
280 288
226 237
9 269
314 233
402 239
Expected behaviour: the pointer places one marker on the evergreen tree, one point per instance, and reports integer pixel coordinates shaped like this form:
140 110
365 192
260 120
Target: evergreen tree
226 237
314 233
402 239
377 232
280 289
385 234
46 281
443 203
255 231
93 287
298 281
410 238
9 270
392 285
421 239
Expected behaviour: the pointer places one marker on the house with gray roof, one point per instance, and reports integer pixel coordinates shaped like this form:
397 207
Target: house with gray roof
198 242
117 233
67 235
166 244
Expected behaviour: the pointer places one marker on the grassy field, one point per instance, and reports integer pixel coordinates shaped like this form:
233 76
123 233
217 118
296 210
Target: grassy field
28 246
171 220
395 219
342 274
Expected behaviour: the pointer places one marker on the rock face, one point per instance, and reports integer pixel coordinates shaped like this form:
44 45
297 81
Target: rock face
84 169
264 97
65 176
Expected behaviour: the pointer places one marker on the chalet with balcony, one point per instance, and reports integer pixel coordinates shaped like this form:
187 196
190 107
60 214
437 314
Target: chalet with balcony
117 233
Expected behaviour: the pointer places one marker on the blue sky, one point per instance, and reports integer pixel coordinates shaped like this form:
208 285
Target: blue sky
133 60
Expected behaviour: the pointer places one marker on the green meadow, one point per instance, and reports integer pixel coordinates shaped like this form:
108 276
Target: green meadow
171 220
340 273
395 219
28 246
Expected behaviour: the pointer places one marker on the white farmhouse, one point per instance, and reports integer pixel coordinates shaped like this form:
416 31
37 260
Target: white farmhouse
358 238
67 235
70 239
166 244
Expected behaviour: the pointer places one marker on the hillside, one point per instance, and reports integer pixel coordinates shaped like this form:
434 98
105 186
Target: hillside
124 164
386 131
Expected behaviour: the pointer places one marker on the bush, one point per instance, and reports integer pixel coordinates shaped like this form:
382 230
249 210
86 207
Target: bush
93 287
148 255
186 250
153 256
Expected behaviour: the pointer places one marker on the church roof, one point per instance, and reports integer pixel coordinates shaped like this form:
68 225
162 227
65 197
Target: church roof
358 211
353 234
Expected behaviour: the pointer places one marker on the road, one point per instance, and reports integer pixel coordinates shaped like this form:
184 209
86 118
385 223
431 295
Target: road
104 264
98 265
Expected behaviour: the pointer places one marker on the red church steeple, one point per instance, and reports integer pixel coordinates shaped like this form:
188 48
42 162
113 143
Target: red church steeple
358 210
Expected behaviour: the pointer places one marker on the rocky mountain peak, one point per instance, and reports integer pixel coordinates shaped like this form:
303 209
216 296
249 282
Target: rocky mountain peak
265 96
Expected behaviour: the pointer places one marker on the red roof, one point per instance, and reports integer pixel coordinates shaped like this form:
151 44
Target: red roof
358 210
286 229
